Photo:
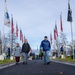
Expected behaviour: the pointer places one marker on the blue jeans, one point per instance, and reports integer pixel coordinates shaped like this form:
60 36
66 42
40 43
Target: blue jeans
46 56
25 56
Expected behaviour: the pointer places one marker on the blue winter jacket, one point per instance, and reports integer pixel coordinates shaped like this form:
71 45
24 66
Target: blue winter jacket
45 44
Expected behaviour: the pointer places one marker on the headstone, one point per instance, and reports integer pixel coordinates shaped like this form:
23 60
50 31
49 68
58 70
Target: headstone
62 56
1 57
11 58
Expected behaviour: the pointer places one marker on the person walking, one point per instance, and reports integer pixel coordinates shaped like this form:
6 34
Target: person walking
8 52
17 53
62 50
25 50
45 44
41 54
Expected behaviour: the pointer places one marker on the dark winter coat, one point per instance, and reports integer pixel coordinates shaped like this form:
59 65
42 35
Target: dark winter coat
26 47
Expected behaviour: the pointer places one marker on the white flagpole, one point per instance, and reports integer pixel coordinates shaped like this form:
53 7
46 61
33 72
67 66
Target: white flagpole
11 34
72 39
70 20
3 37
3 40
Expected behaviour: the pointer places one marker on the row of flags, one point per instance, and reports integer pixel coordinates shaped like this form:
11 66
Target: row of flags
69 19
8 23
56 30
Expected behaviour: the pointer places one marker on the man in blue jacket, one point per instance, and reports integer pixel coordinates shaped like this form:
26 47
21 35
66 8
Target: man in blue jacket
45 44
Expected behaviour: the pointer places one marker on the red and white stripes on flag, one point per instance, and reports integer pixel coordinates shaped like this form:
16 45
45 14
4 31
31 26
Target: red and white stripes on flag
55 32
16 29
61 27
21 36
6 16
51 38
12 25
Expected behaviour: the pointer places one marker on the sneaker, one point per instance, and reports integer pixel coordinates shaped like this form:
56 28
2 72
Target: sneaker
17 63
48 62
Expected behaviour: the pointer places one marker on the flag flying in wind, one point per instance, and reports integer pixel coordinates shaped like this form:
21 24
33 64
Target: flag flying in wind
51 38
69 17
61 28
54 34
6 17
12 25
20 34
16 30
22 38
56 30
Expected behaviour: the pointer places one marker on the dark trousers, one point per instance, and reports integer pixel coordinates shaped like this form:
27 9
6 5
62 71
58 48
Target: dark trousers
17 59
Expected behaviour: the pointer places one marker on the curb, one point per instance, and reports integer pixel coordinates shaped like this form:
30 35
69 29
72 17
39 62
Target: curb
67 63
7 65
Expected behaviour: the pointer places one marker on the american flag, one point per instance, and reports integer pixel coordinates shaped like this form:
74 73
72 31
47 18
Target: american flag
50 38
20 34
61 28
56 30
12 25
16 29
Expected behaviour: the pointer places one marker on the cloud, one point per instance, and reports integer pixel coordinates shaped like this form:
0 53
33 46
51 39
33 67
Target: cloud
37 18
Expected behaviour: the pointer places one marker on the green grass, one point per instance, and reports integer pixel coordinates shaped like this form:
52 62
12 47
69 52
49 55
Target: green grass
5 61
66 59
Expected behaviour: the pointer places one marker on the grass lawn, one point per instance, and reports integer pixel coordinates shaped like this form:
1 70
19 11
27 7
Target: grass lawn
66 59
5 61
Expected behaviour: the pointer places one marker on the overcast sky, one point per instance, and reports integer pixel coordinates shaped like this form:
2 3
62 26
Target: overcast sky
37 18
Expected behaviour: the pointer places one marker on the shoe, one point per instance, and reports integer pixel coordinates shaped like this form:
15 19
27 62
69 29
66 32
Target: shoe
48 62
17 63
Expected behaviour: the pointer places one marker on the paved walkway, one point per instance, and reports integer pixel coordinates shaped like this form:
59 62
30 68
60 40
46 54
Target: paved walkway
36 67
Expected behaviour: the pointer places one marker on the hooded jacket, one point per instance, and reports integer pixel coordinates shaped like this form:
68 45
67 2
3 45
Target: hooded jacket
45 44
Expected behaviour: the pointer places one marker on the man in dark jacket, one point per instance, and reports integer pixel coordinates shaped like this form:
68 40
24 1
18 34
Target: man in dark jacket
45 44
25 51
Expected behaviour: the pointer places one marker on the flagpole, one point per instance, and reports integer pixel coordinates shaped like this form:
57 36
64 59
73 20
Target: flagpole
69 19
11 34
3 40
72 39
